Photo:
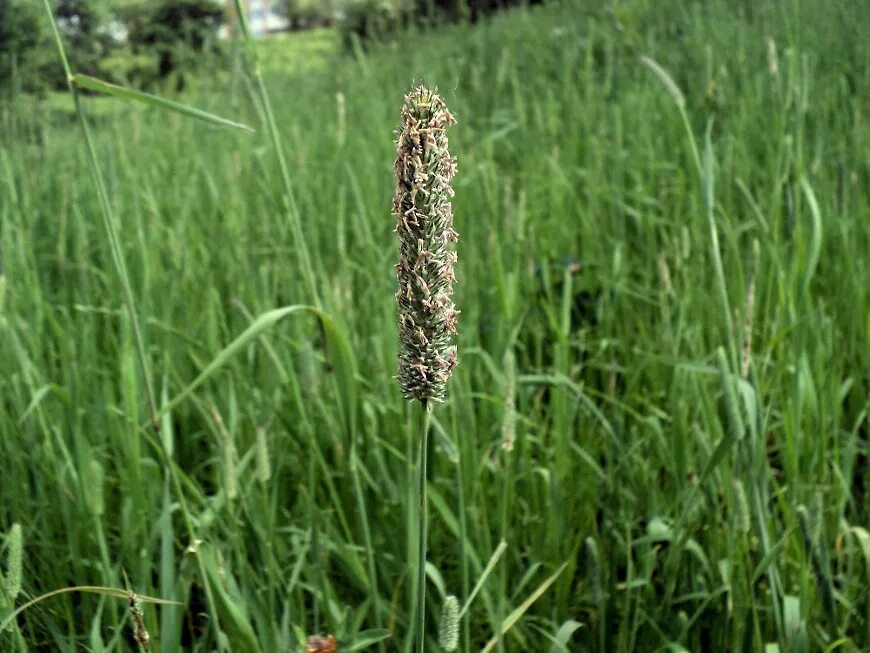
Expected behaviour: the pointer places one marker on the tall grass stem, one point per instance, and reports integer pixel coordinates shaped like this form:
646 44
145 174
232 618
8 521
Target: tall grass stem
423 525
275 137
108 223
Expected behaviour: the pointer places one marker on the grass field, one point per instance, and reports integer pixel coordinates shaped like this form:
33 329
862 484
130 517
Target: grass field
663 284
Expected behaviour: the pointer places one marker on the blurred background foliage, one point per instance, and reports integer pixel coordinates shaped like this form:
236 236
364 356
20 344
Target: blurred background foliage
146 42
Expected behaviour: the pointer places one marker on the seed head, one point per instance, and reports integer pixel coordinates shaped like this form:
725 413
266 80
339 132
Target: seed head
140 632
509 419
448 632
424 223
741 508
10 586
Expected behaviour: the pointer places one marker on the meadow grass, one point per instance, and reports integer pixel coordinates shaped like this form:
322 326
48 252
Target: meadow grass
664 312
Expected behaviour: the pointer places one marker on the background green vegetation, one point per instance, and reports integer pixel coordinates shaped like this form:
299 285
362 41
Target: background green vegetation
696 509
144 42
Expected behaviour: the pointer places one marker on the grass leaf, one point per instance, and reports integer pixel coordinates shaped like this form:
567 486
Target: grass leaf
365 639
93 84
515 616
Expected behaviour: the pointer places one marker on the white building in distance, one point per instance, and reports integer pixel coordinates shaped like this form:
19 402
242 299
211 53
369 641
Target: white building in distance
264 16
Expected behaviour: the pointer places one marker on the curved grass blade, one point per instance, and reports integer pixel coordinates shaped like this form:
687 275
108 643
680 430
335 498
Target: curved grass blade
98 85
815 235
863 537
563 636
341 357
666 80
366 638
87 589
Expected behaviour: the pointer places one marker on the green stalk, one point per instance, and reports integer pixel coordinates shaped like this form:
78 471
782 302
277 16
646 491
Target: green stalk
314 548
274 135
307 269
367 535
421 533
505 499
463 558
705 174
121 269
169 466
108 222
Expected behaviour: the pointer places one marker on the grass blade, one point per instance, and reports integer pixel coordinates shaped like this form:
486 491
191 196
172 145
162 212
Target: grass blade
342 363
496 555
815 235
366 638
515 616
93 84
86 589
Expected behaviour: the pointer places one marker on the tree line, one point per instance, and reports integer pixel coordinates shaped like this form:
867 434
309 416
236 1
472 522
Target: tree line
143 42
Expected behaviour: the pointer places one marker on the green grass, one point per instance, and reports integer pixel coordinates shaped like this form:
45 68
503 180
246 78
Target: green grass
685 506
306 51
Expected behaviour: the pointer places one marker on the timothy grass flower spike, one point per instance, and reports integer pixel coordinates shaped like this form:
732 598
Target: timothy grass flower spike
424 224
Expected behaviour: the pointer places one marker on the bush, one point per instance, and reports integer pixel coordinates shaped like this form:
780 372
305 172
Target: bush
137 69
22 34
305 14
28 57
374 19
177 32
465 9
476 9
79 22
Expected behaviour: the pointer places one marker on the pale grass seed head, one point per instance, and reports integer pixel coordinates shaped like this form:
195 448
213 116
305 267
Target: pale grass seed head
509 417
10 584
741 507
448 630
772 59
424 224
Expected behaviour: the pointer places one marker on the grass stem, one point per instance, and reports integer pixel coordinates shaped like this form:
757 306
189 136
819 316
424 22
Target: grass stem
108 223
423 524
